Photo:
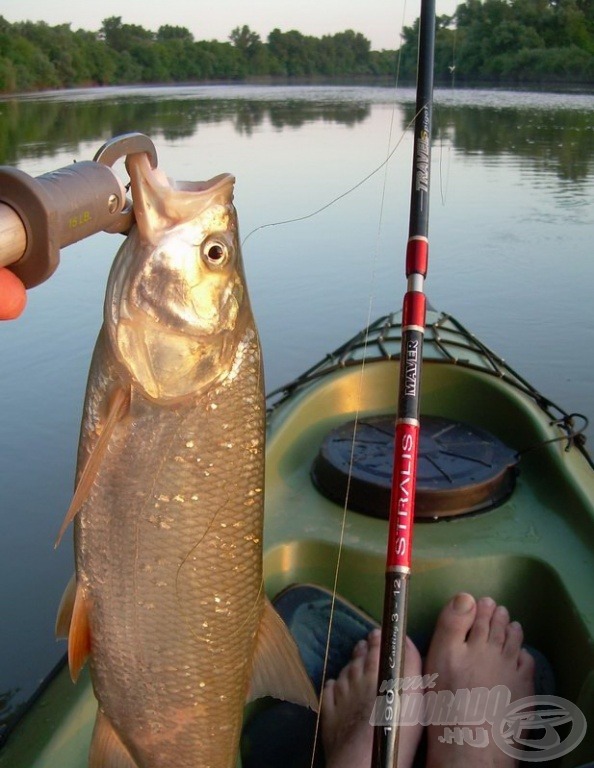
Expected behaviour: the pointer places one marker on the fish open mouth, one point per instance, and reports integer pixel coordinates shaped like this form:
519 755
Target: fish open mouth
160 202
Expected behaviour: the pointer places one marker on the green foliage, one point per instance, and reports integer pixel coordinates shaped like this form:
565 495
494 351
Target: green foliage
168 32
512 41
495 40
121 37
344 54
35 55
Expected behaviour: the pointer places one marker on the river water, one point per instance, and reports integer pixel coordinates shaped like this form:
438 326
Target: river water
511 256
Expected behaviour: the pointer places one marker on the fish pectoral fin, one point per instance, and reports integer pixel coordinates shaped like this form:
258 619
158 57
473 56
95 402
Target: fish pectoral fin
66 609
107 750
79 634
278 669
118 407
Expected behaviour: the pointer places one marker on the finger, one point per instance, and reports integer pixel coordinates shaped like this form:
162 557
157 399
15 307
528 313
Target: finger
13 296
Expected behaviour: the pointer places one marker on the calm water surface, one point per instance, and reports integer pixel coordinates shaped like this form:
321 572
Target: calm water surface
512 225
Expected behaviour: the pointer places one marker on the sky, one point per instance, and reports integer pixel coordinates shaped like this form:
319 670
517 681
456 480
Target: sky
379 20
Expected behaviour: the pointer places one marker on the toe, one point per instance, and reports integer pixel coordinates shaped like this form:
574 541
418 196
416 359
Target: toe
514 637
526 664
355 668
373 656
455 620
450 632
479 632
360 649
329 701
343 685
498 627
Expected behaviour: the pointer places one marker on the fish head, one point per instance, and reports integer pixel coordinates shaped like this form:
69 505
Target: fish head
176 306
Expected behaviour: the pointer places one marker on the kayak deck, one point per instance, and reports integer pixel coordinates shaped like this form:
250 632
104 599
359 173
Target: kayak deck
534 553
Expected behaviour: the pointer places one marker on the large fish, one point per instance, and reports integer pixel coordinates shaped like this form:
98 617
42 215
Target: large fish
168 601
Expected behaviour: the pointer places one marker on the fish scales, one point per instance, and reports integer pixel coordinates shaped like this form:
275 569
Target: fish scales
189 505
168 599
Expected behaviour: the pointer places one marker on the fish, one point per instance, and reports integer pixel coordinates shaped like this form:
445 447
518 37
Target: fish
168 602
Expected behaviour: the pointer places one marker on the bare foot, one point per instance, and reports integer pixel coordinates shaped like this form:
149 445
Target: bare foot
475 646
347 704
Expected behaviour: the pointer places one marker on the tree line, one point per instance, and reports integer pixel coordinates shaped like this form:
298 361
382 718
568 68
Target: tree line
492 40
511 41
35 56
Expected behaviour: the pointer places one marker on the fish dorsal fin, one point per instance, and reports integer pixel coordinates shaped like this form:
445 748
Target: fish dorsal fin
278 669
66 609
79 635
107 750
118 407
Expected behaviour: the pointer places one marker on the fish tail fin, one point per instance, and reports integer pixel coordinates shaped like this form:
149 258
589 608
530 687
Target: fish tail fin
278 669
107 750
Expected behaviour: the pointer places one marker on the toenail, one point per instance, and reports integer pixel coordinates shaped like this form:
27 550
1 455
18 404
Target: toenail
463 603
487 601
516 626
375 633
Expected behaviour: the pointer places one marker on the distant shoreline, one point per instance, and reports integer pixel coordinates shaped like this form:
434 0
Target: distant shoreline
484 44
551 86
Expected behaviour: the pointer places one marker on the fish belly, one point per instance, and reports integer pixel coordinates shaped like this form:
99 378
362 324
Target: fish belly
168 554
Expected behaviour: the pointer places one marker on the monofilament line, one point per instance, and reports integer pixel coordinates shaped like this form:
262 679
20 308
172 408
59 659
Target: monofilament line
359 387
338 197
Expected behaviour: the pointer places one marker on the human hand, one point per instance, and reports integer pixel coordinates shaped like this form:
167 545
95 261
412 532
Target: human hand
13 295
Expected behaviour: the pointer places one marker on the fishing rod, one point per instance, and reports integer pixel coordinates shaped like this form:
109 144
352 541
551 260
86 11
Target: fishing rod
407 434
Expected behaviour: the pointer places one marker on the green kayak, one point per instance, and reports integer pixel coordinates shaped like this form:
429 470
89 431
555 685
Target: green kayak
505 507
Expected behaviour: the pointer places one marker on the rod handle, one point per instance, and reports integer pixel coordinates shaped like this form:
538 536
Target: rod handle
13 236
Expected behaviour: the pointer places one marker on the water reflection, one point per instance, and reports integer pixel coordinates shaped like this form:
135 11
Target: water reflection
560 141
32 129
555 140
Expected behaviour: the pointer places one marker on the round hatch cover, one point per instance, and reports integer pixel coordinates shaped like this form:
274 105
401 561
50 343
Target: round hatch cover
461 468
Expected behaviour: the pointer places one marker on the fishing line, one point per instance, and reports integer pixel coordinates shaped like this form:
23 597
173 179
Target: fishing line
443 193
335 587
366 178
443 190
452 66
338 197
360 378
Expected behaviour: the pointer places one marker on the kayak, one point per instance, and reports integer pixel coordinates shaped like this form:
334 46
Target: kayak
504 507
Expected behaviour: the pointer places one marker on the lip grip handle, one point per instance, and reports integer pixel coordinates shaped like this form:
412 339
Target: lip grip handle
57 209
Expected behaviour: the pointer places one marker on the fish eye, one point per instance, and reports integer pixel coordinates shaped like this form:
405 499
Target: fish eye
215 252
